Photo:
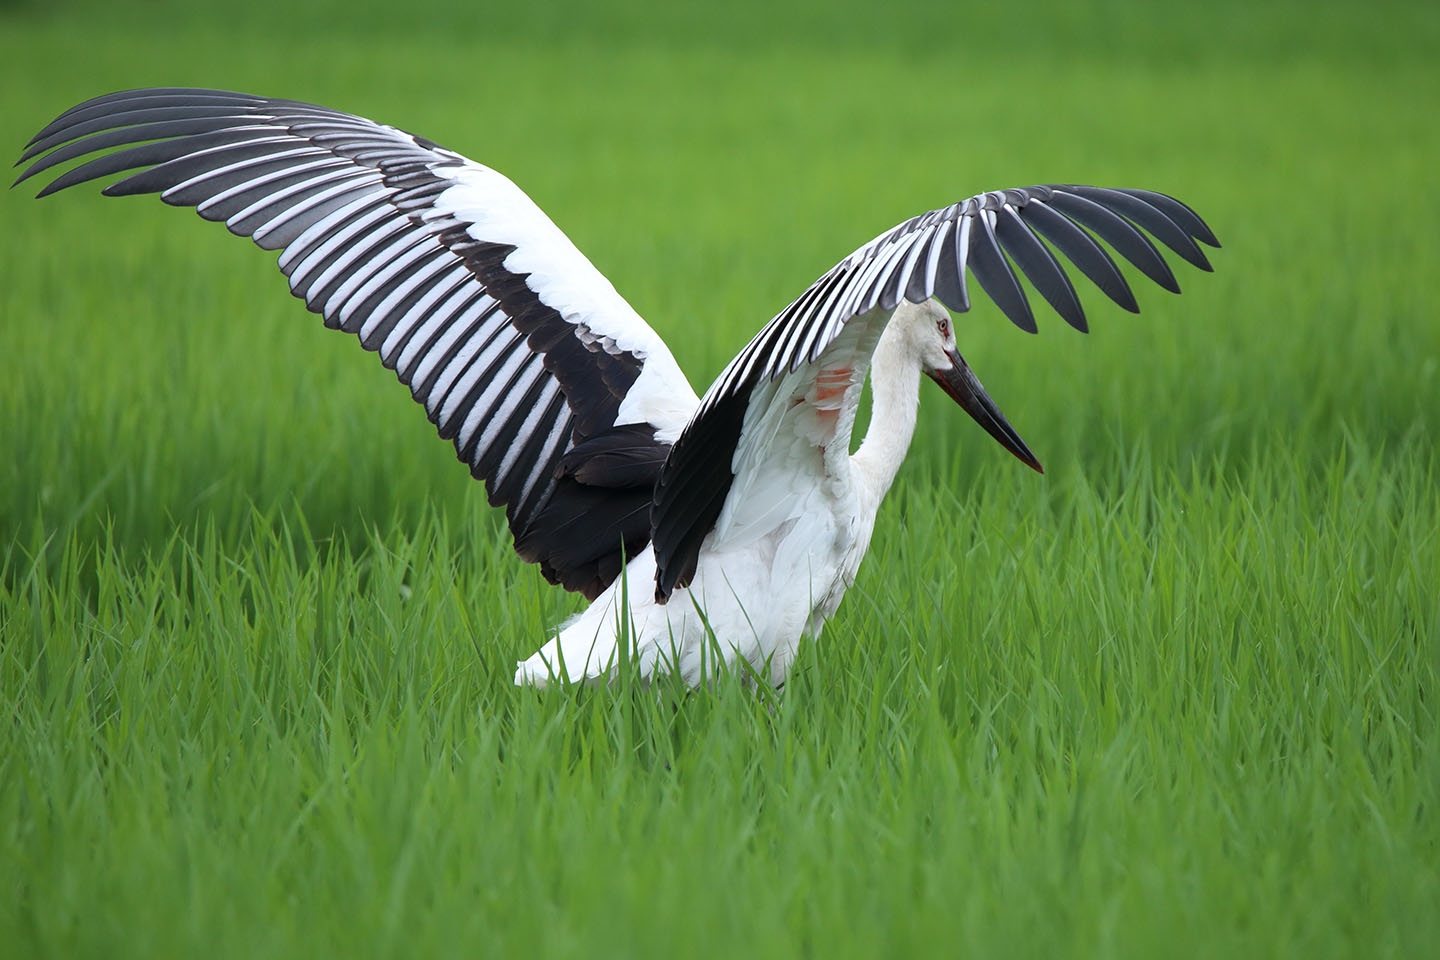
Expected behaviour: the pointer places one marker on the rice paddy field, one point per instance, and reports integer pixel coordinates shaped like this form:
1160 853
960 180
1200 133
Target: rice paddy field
1177 697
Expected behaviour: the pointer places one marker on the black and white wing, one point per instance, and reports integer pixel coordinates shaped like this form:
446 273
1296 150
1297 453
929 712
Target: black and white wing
924 257
554 391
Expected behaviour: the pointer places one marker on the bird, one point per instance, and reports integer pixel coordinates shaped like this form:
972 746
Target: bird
709 532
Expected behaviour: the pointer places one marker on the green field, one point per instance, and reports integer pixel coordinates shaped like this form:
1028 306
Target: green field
1177 697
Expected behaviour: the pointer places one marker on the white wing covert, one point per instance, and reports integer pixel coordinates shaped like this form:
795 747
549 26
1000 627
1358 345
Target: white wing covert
553 390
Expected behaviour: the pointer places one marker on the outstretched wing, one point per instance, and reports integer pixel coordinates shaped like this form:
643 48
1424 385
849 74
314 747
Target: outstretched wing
921 258
554 391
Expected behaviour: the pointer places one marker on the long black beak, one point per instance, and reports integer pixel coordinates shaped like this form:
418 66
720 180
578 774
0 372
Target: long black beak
959 381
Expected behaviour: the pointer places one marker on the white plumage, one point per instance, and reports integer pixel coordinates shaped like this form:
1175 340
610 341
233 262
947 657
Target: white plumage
794 528
739 519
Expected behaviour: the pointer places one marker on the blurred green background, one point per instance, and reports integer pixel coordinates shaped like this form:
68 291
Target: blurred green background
1176 697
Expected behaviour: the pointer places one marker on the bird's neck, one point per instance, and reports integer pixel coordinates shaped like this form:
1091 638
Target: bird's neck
895 389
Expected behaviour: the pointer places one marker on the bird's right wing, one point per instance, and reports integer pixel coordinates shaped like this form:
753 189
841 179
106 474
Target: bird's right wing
554 391
926 256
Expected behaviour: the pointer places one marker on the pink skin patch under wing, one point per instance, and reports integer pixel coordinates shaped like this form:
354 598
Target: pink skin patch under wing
828 394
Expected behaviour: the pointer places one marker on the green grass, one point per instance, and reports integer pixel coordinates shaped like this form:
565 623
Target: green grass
1175 697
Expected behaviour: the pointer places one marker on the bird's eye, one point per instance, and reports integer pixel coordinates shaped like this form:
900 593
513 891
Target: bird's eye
943 326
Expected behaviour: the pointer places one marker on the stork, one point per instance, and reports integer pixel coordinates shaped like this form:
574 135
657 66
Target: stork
705 531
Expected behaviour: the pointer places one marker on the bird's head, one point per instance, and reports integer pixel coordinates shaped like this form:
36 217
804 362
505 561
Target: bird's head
931 337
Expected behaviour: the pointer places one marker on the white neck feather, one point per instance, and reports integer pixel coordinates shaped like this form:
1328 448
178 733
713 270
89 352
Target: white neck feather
895 389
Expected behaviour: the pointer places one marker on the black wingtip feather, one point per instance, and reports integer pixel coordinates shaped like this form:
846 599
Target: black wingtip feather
1082 250
1149 216
1040 266
990 267
1119 233
143 99
1190 221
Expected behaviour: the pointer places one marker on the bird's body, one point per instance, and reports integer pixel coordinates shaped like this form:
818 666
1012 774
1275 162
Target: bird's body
788 543
709 530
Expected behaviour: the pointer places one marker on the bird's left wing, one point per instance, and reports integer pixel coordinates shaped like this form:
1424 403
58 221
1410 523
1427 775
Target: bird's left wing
926 256
553 390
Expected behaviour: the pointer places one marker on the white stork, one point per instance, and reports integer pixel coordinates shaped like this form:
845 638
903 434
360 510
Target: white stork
738 519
